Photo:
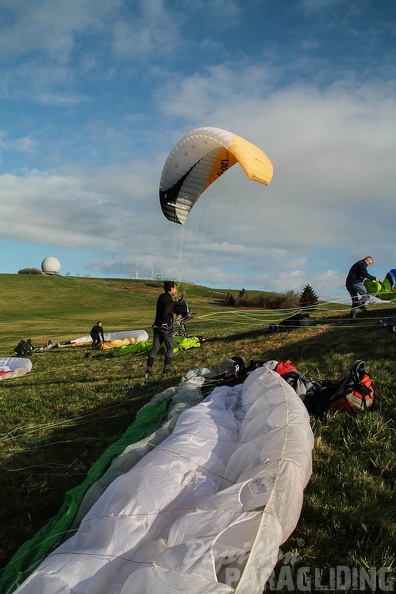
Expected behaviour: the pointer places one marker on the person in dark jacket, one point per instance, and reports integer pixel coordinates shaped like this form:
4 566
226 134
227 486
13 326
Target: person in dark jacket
355 287
97 335
163 327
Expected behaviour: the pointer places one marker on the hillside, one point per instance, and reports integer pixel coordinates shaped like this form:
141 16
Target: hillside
62 307
57 420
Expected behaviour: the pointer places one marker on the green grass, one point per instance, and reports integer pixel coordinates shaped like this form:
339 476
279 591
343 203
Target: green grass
58 419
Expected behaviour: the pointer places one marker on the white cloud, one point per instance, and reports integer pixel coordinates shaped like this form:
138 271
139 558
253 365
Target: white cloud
24 144
92 158
50 27
139 36
80 209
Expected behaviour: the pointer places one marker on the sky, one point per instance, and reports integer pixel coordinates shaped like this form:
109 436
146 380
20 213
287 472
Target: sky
94 94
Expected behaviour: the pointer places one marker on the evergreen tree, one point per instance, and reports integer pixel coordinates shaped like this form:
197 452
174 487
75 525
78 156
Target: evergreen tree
242 297
229 299
308 297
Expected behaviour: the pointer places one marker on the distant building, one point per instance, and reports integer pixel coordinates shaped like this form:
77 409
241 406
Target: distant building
50 265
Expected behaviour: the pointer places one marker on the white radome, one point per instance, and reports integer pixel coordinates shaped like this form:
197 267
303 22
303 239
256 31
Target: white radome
50 265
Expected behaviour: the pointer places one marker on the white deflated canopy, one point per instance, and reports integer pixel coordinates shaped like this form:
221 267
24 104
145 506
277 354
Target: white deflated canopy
204 511
137 335
14 367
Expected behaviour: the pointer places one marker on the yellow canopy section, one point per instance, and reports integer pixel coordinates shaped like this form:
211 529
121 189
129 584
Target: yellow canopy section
253 161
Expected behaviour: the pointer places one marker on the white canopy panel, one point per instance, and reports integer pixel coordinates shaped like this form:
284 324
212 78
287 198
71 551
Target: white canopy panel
14 367
204 511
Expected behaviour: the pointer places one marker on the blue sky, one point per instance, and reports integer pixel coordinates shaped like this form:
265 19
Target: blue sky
95 93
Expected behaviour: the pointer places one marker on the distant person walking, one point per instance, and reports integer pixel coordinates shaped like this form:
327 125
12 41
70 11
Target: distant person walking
163 327
355 287
97 335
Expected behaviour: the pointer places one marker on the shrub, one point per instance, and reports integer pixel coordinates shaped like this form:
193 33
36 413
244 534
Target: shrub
30 271
269 300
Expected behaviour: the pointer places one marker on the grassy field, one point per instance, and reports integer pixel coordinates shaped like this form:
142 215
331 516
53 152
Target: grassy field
58 419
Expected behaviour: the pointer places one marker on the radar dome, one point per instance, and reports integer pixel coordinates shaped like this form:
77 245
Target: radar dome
50 265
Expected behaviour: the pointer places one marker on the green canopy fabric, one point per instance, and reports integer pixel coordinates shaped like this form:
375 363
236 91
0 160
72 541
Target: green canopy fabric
180 344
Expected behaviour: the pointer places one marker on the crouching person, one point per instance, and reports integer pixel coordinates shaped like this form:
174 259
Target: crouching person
97 335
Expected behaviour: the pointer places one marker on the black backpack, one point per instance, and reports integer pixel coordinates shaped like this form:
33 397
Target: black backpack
297 321
181 308
234 373
24 348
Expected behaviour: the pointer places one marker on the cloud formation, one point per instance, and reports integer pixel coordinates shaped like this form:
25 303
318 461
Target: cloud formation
101 91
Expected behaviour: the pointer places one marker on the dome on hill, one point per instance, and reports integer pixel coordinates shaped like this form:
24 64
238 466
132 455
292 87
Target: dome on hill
50 265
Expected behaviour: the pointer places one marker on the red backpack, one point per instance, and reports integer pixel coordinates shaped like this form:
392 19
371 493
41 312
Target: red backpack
354 393
357 393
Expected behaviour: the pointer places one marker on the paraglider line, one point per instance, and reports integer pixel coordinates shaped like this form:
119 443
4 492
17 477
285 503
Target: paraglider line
137 514
105 555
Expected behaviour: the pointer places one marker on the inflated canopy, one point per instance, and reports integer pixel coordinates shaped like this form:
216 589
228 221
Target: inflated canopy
201 157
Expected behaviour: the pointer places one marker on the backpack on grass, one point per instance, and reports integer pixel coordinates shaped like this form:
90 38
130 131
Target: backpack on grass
354 393
297 321
24 348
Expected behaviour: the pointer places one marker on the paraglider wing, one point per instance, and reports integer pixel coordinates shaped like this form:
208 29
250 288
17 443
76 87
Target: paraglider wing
387 286
199 159
390 280
11 367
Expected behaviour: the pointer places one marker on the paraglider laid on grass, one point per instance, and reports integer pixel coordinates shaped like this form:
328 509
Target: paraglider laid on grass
11 367
113 339
199 159
200 504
